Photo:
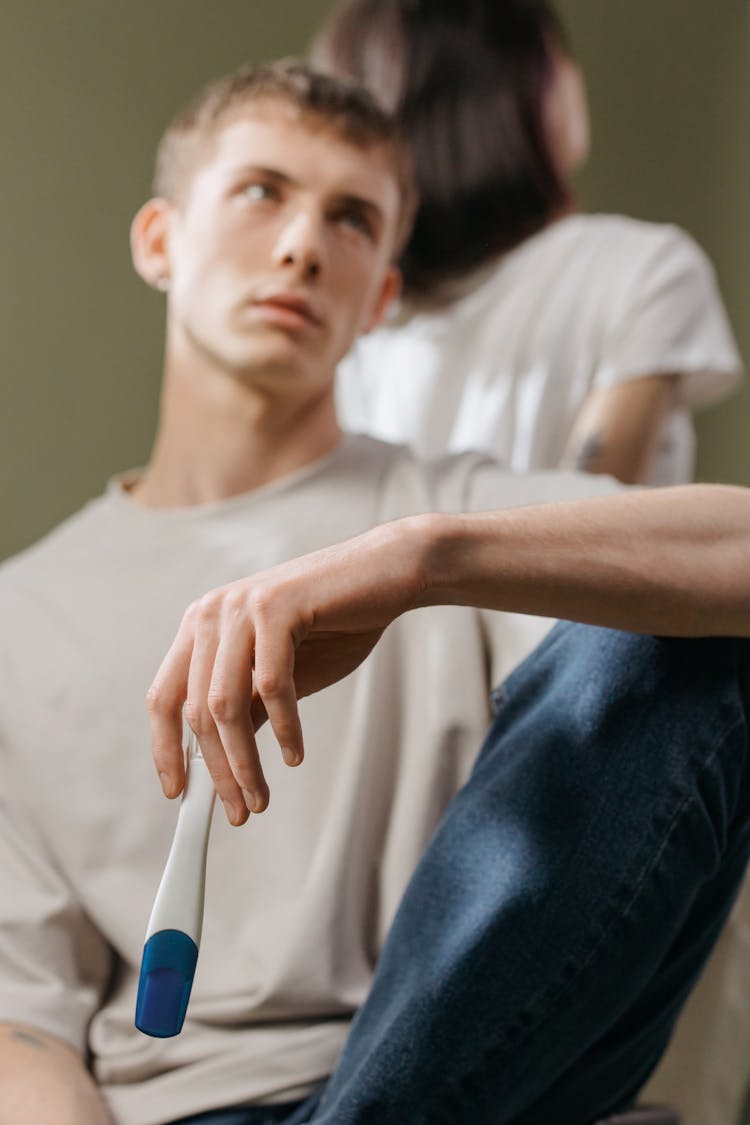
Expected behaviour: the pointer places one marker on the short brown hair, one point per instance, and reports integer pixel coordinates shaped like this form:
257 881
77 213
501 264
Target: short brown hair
340 104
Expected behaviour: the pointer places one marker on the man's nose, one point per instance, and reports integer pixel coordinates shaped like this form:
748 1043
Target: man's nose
299 245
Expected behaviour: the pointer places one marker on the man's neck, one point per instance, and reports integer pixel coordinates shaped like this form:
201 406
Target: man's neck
220 439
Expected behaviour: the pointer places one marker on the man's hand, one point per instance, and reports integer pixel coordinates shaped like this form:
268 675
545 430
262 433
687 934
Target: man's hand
248 651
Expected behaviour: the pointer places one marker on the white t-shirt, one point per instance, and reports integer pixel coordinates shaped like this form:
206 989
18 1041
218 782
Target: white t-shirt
298 900
590 301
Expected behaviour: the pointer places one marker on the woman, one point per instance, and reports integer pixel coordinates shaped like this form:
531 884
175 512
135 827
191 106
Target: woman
545 336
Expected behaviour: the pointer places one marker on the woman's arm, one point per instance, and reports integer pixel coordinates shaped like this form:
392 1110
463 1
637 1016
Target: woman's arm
618 428
671 560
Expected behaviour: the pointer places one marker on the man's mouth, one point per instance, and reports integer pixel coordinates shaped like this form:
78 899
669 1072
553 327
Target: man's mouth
288 310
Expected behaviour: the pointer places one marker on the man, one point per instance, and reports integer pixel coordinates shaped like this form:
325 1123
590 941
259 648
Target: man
281 200
279 205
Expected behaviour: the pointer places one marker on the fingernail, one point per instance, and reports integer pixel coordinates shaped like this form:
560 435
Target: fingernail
233 816
250 799
166 784
291 757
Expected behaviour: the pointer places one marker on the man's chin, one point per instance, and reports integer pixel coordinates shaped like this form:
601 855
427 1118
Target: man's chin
272 374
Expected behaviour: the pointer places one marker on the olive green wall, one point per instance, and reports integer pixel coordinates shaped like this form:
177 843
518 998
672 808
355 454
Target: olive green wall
87 88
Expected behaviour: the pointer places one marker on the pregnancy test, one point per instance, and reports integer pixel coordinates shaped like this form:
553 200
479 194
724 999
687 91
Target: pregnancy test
174 929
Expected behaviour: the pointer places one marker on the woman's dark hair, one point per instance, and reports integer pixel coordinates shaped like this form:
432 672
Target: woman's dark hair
466 80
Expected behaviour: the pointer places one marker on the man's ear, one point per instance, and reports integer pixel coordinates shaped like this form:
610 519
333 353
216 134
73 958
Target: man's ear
389 292
149 243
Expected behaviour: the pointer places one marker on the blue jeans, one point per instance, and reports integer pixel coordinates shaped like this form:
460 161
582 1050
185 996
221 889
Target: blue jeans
569 898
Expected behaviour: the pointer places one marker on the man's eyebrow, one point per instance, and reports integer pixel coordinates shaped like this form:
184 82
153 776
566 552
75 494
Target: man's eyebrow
268 173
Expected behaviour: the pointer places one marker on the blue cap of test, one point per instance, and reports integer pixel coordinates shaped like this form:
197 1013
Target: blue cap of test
167 970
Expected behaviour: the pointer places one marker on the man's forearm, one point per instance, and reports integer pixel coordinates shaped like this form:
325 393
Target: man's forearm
673 561
43 1081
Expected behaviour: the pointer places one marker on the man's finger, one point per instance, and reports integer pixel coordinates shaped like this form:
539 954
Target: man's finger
273 683
164 701
198 715
229 700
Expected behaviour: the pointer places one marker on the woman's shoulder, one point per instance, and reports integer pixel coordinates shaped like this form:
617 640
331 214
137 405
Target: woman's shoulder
610 260
604 250
634 239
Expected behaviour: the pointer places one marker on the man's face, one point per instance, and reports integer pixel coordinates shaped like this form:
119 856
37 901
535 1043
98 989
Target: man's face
280 254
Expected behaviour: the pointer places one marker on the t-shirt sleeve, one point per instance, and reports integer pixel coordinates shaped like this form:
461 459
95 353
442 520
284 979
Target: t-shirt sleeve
670 319
54 964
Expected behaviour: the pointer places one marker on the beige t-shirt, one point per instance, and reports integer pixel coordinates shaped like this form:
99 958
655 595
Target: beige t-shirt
298 900
506 366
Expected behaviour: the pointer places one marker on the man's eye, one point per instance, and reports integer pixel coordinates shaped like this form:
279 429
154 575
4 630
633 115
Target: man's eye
259 191
356 220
